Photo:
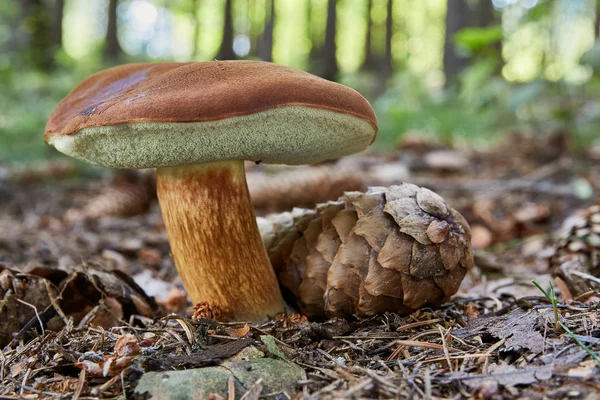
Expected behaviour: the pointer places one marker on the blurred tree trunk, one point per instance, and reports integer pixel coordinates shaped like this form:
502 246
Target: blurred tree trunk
264 49
59 10
370 59
226 50
196 18
387 62
10 20
112 48
487 17
457 17
597 21
34 38
315 48
329 69
254 36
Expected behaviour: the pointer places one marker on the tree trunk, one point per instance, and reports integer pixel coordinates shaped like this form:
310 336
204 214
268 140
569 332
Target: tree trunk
226 50
315 47
370 59
597 21
196 18
33 35
386 65
112 48
486 17
456 18
59 9
329 61
265 42
254 36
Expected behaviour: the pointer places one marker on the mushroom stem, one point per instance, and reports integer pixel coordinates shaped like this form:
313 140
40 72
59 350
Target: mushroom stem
215 241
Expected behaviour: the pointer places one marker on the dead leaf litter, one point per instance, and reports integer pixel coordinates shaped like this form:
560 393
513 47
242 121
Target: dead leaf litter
91 303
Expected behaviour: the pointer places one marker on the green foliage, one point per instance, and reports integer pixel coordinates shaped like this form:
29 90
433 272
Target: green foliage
475 110
592 57
476 39
541 11
26 100
472 113
551 296
482 106
595 356
440 117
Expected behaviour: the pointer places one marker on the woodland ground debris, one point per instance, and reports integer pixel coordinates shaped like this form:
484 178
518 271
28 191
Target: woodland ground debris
496 339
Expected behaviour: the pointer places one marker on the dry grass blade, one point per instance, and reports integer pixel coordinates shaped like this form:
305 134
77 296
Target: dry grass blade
230 389
445 347
37 315
417 324
54 302
80 385
362 384
188 329
254 392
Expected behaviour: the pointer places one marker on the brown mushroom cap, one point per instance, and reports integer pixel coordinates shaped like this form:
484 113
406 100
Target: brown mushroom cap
152 115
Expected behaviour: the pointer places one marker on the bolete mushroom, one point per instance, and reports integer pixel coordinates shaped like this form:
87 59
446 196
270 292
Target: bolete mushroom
197 123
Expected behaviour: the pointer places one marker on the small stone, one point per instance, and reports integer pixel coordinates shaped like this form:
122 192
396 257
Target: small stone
481 237
277 377
446 160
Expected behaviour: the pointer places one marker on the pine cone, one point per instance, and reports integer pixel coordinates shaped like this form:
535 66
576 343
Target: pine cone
207 310
130 193
389 249
577 257
303 187
123 200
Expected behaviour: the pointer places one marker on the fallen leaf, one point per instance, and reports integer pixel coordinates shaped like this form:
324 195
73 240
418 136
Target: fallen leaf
520 329
238 332
506 375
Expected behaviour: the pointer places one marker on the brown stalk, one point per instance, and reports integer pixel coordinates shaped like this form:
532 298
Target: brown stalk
215 240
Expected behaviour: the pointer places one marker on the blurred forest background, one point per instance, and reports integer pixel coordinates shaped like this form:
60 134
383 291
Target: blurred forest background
464 72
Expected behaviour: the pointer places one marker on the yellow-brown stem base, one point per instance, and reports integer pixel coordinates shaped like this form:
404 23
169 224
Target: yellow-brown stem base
215 240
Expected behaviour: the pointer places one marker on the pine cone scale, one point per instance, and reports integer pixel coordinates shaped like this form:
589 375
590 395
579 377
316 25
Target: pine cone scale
450 280
450 253
432 203
381 281
396 253
438 231
344 221
373 227
417 293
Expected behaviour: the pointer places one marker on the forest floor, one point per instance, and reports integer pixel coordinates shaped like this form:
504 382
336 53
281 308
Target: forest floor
90 301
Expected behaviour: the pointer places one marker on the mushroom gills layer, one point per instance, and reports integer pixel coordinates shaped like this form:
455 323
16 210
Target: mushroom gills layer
215 241
287 135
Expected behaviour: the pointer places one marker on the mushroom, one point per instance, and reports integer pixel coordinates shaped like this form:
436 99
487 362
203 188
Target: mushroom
197 123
